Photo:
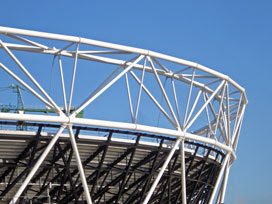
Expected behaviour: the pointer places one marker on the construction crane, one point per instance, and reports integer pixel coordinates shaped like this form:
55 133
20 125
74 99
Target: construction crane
20 102
15 108
21 108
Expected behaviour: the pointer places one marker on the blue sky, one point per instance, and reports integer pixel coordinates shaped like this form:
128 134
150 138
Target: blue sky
232 37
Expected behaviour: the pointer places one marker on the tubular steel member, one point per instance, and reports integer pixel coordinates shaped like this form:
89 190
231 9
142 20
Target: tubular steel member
183 172
211 104
113 153
37 165
169 157
79 164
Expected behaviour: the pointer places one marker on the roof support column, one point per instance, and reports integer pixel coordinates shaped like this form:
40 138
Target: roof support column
79 165
183 174
36 166
154 185
226 160
224 184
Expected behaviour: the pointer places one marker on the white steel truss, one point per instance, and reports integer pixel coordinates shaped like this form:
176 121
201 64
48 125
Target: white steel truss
212 104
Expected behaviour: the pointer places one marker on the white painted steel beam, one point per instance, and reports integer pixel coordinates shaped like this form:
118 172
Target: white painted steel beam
183 173
63 86
188 100
27 41
92 98
228 119
110 61
153 99
202 108
226 160
36 166
164 93
7 30
26 86
224 184
193 107
176 100
129 99
21 66
155 183
112 124
73 80
140 92
79 165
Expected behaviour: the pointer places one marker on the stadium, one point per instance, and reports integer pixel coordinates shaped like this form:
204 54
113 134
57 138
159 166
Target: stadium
86 121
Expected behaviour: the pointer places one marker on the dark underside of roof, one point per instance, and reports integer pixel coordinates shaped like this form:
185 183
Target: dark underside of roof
119 168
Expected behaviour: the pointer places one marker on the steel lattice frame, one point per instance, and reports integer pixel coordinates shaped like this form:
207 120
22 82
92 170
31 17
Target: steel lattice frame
222 107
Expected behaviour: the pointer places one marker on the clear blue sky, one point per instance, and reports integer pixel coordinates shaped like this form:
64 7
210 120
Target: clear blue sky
232 37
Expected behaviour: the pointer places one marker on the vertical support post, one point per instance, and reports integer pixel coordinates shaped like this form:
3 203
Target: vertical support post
226 160
193 107
164 93
153 99
154 185
36 166
218 195
176 100
79 165
183 174
48 193
220 110
129 98
73 80
188 99
204 106
228 115
98 93
224 184
140 92
63 86
235 136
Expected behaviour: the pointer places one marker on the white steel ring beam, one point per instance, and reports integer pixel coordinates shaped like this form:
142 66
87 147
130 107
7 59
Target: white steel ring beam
121 62
6 30
224 100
